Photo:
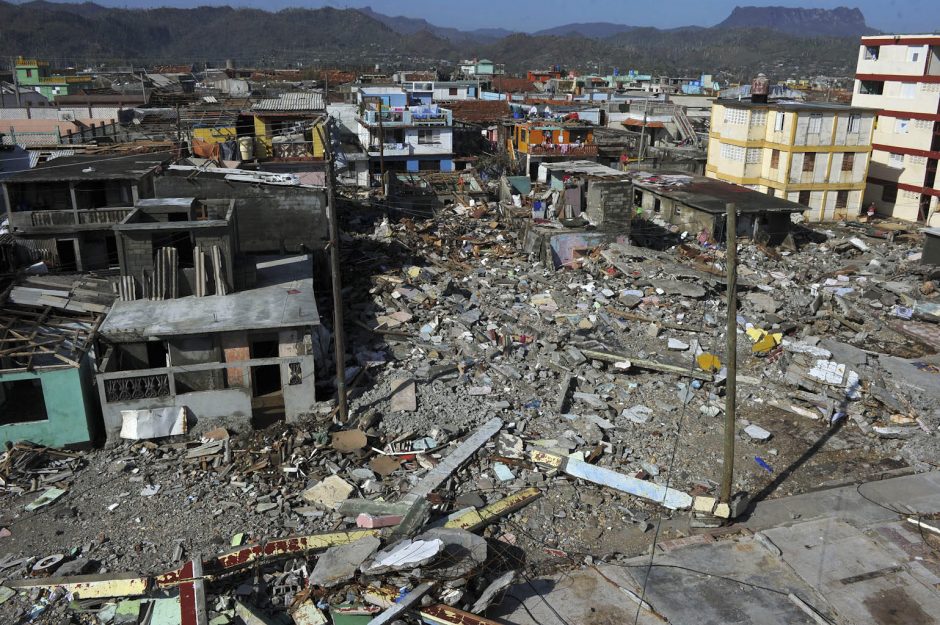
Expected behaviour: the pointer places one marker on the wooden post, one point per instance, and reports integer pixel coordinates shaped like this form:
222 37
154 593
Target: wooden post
731 382
339 339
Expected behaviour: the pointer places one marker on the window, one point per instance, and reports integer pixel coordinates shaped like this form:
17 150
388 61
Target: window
657 205
735 116
848 161
29 73
913 53
842 199
804 198
889 193
22 401
732 152
815 123
453 91
908 89
778 122
774 159
896 160
871 87
809 161
754 155
855 123
426 136
901 125
871 53
759 118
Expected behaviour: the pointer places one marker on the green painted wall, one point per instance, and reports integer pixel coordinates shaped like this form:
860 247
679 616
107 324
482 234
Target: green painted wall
72 419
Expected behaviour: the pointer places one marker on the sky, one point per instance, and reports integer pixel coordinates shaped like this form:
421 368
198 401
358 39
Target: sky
896 16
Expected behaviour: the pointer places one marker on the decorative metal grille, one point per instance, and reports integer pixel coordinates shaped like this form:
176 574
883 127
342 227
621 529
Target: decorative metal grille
141 387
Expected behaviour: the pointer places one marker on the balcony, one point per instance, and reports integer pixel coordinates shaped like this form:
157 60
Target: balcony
565 149
415 116
89 219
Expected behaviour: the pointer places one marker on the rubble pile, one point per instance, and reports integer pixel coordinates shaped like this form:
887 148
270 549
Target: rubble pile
506 419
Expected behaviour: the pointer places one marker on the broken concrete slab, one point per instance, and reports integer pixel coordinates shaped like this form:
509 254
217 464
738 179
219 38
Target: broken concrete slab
403 555
757 433
329 493
404 395
339 564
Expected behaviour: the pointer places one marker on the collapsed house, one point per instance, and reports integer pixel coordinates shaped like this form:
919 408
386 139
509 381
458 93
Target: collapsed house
697 205
573 206
47 361
199 329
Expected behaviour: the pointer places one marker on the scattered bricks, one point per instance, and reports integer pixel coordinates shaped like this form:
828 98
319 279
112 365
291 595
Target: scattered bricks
723 510
369 521
704 504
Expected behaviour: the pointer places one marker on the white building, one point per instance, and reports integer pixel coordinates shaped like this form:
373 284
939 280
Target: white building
900 76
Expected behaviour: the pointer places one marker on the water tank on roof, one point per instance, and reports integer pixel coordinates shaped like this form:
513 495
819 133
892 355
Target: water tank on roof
760 88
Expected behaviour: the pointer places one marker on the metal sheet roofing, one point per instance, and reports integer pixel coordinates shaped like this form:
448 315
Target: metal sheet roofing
302 101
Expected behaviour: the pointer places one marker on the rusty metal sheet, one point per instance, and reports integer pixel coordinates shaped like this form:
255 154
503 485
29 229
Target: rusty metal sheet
440 614
544 457
193 595
475 519
89 586
233 560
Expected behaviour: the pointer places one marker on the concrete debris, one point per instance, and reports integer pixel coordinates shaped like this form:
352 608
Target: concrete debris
329 493
757 433
551 402
340 564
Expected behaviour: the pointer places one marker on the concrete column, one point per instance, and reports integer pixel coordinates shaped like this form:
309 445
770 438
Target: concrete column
74 197
135 194
7 207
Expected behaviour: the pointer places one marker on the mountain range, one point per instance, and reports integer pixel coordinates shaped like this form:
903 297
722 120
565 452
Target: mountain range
776 40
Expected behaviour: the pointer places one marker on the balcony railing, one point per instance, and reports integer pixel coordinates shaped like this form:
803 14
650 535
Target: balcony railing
85 217
565 149
137 387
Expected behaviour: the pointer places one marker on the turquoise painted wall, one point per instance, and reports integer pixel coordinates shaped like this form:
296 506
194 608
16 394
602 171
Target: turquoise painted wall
69 408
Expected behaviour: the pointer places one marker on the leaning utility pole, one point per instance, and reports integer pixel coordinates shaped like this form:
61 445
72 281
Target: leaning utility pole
16 82
339 339
381 150
731 382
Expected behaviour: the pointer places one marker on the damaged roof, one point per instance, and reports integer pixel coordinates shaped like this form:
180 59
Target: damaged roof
284 299
711 195
126 167
295 101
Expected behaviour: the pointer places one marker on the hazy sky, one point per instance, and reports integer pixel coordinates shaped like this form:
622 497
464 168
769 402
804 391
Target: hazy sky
527 15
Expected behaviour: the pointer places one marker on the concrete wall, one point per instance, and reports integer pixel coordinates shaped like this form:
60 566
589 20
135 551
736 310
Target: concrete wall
270 218
610 205
233 405
190 350
70 407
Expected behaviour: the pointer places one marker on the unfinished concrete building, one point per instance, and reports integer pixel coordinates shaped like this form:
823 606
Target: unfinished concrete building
64 210
200 327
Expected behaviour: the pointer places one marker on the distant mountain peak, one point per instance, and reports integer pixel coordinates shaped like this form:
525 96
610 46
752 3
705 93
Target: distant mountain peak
837 22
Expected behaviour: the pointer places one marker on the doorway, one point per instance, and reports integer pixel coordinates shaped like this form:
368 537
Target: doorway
67 254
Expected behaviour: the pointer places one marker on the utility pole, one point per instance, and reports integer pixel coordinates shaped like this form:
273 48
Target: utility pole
381 149
731 382
339 337
16 81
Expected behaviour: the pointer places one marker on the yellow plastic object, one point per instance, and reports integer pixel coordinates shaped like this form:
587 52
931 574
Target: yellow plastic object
708 362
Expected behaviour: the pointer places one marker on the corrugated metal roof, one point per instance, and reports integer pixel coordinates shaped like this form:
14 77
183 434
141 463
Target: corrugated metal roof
302 101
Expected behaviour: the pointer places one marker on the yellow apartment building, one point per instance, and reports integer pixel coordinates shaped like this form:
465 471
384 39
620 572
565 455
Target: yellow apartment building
815 154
